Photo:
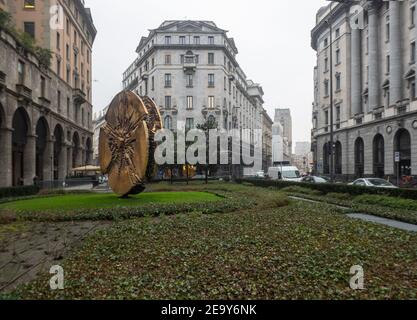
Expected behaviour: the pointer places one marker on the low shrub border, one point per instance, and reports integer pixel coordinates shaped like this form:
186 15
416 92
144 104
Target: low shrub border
18 191
326 188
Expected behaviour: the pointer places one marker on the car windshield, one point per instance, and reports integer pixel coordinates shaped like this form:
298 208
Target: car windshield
380 182
291 174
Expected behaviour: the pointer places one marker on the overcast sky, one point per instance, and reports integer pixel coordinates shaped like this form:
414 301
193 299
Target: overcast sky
272 36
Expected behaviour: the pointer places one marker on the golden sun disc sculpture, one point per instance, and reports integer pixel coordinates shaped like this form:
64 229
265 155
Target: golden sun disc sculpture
127 146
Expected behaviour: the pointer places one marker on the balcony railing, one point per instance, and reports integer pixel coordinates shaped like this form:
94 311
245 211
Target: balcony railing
190 63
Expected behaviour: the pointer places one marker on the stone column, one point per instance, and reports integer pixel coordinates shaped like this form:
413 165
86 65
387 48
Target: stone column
62 163
70 165
29 165
374 85
395 54
6 157
48 162
356 93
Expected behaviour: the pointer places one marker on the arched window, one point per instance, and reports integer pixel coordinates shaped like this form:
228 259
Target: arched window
379 156
359 158
403 147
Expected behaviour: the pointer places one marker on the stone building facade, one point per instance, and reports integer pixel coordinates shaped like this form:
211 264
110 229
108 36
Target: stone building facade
266 141
45 121
189 69
283 116
375 101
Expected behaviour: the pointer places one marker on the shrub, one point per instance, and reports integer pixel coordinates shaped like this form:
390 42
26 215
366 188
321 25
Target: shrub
301 190
391 202
18 191
339 196
326 188
5 19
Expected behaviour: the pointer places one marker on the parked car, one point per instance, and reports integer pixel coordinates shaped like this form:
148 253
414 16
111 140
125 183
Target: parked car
314 179
284 173
260 174
373 183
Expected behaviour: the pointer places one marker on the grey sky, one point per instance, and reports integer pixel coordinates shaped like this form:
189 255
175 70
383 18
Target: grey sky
273 38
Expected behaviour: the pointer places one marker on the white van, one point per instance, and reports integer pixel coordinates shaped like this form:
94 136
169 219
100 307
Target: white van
284 173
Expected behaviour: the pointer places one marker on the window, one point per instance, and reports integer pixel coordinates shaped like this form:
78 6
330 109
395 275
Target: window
168 102
211 58
326 64
182 40
211 102
211 40
168 123
168 59
68 27
412 15
196 40
58 94
225 84
326 42
338 81
337 32
167 80
189 80
68 107
153 83
189 124
29 4
58 67
326 119
29 28
75 37
58 41
413 52
67 52
337 56
21 72
43 86
337 113
168 40
326 87
387 32
413 90
388 63
211 80
68 75
190 103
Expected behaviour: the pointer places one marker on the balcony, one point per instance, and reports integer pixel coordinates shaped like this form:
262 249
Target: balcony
190 63
145 75
25 94
78 96
44 102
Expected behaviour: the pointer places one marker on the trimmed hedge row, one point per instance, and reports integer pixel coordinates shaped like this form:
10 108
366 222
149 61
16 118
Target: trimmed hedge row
326 188
18 191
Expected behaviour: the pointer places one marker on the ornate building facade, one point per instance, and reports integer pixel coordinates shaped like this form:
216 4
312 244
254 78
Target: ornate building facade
189 69
374 92
45 111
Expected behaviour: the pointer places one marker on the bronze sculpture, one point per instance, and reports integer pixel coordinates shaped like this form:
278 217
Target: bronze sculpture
127 146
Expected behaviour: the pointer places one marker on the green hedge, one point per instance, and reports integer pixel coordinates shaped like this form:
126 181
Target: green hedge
18 191
326 188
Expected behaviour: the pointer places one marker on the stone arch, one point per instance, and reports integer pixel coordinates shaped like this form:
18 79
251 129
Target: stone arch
20 148
2 117
338 158
402 145
379 156
359 157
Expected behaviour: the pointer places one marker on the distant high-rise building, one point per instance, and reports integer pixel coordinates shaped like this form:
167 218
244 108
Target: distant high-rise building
283 116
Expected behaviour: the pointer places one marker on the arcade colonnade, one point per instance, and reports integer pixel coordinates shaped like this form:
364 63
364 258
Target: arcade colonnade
39 146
